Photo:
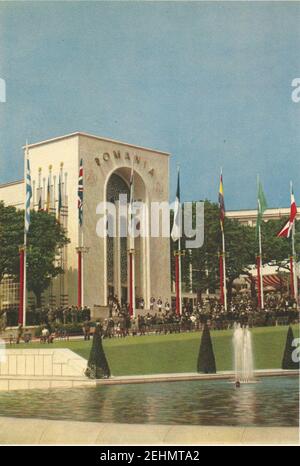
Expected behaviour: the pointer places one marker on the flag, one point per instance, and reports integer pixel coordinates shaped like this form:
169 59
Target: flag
286 230
131 187
131 195
176 230
221 203
48 196
80 193
28 197
261 206
59 198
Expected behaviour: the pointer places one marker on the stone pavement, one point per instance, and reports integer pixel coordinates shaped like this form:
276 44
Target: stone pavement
45 432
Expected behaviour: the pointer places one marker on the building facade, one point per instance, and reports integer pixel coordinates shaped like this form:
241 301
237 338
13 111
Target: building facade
107 166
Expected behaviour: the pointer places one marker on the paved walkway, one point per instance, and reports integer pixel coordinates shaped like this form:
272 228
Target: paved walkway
45 432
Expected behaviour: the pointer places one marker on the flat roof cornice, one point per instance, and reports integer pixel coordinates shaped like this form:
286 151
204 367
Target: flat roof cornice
271 210
11 183
87 135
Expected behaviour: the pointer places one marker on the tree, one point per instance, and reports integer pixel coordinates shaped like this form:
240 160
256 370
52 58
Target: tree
287 361
45 238
277 251
11 237
240 252
206 359
97 367
204 260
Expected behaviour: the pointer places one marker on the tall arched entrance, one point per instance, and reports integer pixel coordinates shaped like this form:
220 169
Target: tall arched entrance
117 246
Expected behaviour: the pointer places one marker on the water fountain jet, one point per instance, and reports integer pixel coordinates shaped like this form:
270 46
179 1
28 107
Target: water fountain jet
243 354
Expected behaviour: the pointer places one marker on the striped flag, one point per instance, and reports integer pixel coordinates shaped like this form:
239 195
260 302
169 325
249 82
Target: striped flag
28 197
176 229
285 232
221 203
80 193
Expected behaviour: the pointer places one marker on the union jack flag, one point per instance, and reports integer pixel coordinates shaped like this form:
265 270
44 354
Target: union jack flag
80 193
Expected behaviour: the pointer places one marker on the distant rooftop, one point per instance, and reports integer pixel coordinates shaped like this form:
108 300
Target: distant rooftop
269 211
79 133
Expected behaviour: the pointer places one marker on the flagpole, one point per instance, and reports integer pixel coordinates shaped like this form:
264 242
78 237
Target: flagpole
80 248
224 270
79 278
131 250
179 262
223 284
25 239
179 277
259 268
21 290
221 271
178 254
131 284
294 259
262 303
82 269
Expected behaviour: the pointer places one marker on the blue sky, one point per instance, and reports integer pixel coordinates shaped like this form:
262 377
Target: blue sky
209 82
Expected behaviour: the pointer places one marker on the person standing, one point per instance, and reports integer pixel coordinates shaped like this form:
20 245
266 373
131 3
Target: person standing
86 328
167 306
152 302
159 304
19 333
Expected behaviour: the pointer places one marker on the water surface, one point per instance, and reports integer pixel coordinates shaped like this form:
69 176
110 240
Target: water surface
272 401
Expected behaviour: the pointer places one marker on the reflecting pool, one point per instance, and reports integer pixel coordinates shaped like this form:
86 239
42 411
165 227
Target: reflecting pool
272 401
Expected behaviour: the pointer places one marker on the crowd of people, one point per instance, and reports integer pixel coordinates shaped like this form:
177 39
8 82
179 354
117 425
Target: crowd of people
162 317
50 315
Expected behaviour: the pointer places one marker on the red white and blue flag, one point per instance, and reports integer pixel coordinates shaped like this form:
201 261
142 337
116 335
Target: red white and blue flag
80 193
285 232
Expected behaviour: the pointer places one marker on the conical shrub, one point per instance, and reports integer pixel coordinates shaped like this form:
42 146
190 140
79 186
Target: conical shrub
287 360
97 367
206 359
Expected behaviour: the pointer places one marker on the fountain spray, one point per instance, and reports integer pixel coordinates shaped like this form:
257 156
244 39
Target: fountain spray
243 354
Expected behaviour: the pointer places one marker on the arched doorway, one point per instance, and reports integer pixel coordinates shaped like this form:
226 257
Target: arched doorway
117 247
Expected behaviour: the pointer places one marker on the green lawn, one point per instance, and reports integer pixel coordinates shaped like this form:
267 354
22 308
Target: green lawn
178 353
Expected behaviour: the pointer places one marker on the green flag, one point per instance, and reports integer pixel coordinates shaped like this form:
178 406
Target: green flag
261 205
